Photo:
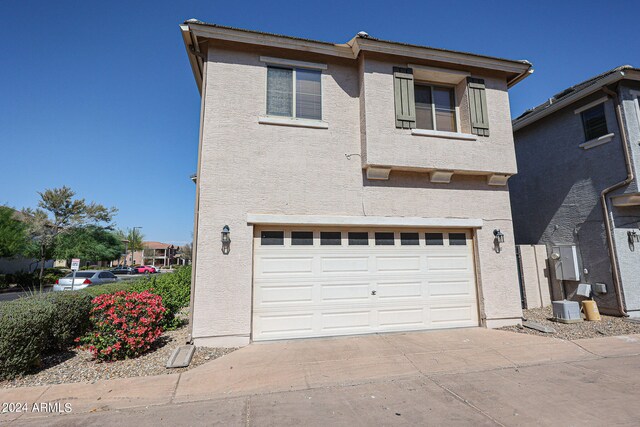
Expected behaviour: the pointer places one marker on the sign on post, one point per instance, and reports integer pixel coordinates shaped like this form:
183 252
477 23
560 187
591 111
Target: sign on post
75 266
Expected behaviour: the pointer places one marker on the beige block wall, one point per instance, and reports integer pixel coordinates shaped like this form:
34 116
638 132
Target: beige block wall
249 167
387 145
533 264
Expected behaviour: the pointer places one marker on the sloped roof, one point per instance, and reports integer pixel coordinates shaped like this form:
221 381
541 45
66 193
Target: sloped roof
359 35
156 245
591 83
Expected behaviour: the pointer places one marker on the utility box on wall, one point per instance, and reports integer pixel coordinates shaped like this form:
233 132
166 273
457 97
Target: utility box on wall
565 262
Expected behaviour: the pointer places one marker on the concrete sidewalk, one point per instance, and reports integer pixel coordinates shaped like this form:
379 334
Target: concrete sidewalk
482 376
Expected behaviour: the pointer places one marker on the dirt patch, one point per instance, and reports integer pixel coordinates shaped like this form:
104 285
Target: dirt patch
608 326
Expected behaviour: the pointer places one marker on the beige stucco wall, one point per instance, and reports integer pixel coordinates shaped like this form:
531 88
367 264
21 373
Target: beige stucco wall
249 167
387 145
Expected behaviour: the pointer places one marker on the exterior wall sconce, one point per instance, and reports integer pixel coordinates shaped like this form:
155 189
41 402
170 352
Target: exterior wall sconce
498 238
633 238
225 238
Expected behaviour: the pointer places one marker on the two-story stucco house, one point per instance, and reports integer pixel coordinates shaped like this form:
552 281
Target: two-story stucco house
578 160
361 184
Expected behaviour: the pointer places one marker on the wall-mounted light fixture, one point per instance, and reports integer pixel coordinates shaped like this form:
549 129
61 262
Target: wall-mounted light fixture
225 238
633 238
498 238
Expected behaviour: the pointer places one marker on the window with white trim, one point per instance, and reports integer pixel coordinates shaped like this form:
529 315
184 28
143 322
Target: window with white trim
435 107
294 92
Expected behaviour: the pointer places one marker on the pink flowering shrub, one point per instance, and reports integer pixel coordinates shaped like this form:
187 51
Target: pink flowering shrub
124 325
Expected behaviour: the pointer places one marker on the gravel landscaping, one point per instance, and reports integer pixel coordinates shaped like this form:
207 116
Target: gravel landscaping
77 365
608 326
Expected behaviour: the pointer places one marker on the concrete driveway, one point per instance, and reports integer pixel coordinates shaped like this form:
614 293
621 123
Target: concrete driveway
454 377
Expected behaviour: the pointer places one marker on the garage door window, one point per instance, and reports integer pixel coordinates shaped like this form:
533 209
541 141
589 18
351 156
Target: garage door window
434 239
384 239
301 238
358 239
272 238
330 238
409 239
457 239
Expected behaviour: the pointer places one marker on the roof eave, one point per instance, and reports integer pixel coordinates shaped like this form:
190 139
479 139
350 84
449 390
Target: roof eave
515 70
613 78
191 42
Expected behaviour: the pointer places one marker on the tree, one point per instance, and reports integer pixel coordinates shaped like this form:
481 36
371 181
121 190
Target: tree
187 251
135 240
91 243
13 234
59 213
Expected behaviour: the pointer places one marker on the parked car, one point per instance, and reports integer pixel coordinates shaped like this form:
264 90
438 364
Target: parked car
144 269
156 269
84 279
123 270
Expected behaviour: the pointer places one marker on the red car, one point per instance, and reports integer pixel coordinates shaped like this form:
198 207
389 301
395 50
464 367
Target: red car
145 269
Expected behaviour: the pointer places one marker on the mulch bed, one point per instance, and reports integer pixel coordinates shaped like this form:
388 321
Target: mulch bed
75 365
608 326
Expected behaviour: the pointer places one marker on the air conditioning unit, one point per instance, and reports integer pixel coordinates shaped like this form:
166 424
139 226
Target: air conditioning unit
565 262
566 311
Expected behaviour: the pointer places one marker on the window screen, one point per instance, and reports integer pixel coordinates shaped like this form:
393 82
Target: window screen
279 91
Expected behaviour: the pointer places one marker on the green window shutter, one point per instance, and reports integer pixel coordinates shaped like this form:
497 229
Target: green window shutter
404 98
478 107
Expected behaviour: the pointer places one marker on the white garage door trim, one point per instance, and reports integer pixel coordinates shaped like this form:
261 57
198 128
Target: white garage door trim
320 290
356 221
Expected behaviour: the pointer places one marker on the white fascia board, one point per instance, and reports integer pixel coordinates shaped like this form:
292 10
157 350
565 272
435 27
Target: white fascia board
189 40
364 221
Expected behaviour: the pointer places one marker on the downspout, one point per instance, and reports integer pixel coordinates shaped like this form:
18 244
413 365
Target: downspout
605 205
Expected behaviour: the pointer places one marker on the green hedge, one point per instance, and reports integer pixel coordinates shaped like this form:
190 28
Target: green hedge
25 325
72 312
174 288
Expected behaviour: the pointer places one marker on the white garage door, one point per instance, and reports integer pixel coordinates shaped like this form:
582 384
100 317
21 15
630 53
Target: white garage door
324 282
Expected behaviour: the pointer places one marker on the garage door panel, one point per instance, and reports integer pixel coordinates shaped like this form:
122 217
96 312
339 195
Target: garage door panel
398 263
346 320
346 264
345 292
283 325
399 290
449 314
285 265
321 290
285 294
447 263
402 318
450 288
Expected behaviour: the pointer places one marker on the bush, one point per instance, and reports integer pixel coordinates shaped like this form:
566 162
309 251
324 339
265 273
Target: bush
25 325
3 281
125 325
71 320
110 288
51 275
22 279
175 290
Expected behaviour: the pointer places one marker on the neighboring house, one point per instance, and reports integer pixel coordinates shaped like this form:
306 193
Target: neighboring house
157 254
578 162
361 184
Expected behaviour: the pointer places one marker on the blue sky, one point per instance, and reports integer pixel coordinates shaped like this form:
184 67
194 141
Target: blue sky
99 95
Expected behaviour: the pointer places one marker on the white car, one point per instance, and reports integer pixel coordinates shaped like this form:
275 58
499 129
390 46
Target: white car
84 279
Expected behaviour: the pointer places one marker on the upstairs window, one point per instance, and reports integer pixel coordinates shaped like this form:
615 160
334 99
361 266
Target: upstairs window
294 92
594 122
435 108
